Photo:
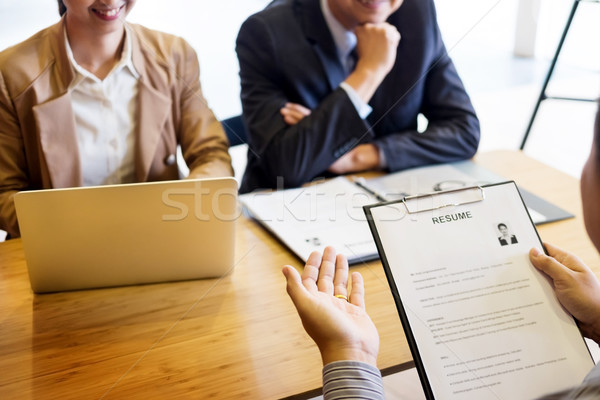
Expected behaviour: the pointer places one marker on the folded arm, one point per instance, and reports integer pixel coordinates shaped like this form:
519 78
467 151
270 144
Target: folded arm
298 152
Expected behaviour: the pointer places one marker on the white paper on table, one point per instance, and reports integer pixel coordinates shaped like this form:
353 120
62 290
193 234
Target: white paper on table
309 218
421 180
435 178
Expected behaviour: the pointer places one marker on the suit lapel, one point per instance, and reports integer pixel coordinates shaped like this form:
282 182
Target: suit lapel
153 109
317 33
56 122
56 125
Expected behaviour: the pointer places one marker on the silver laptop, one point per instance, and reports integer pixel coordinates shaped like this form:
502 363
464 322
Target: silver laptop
91 237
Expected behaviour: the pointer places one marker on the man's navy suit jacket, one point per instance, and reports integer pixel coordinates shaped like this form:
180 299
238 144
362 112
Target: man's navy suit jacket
287 54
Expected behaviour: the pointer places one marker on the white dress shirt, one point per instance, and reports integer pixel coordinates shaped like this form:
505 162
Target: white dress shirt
105 119
345 42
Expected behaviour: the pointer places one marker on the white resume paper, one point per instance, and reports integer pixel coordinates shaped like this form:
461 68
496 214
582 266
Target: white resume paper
309 218
482 321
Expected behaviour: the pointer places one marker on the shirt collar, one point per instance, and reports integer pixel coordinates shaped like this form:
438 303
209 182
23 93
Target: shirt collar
127 54
344 40
126 61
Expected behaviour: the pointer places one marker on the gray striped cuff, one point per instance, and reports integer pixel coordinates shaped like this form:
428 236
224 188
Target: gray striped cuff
352 380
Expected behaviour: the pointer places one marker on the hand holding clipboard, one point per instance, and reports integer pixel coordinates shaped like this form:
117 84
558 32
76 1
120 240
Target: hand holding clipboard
473 310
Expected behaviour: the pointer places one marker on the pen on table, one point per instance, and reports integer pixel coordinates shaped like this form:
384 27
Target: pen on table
360 182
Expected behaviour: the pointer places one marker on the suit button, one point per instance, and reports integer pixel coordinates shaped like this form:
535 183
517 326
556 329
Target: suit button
170 159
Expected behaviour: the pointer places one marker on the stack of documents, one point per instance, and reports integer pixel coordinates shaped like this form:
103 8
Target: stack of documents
330 213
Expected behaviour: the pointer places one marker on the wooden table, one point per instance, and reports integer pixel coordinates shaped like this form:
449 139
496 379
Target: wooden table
229 338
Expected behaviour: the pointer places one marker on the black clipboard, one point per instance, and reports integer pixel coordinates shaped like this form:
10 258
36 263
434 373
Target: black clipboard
412 206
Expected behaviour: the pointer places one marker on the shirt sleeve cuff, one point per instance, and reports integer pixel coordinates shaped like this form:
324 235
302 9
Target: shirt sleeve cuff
382 160
362 108
352 379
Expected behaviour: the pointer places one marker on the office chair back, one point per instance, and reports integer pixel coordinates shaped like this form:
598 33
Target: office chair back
235 130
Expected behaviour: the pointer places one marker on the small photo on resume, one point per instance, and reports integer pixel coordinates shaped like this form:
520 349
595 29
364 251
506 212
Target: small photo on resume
505 235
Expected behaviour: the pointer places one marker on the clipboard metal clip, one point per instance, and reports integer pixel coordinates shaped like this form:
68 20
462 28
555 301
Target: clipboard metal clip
448 198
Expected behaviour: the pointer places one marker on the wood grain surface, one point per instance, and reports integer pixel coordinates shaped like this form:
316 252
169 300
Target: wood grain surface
229 338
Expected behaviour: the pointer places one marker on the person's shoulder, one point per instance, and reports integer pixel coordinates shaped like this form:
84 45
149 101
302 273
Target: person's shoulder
418 5
276 20
161 48
275 8
162 43
278 12
418 11
29 49
24 62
